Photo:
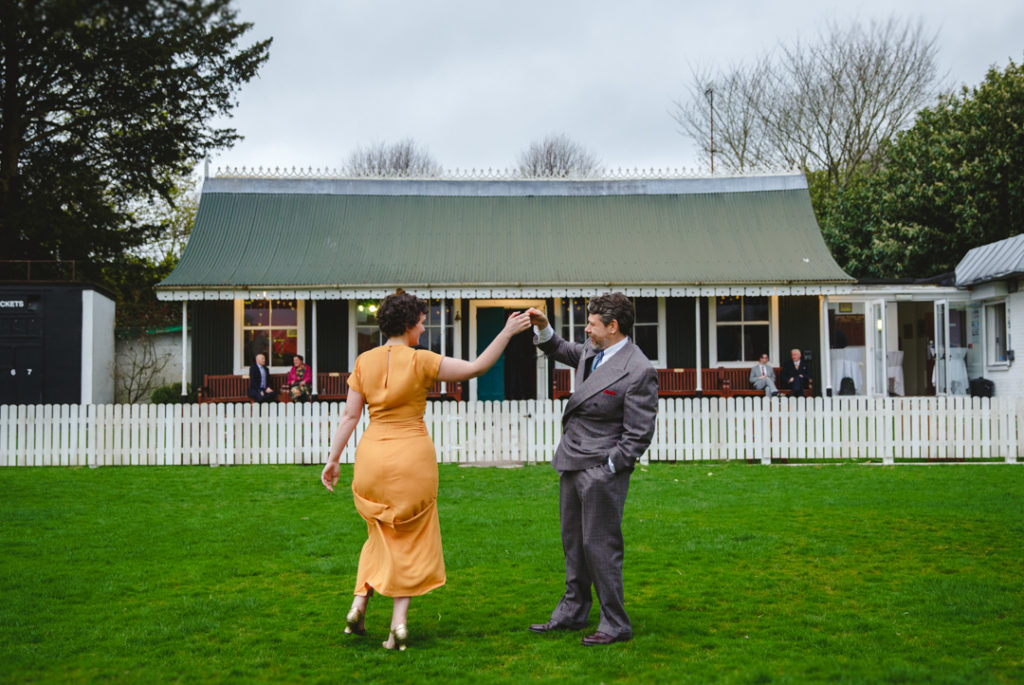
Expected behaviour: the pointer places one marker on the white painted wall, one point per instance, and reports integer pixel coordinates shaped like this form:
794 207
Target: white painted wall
167 347
97 348
1009 379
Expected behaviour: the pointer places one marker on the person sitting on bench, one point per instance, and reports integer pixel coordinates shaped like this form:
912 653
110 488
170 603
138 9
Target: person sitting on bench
259 381
796 374
762 377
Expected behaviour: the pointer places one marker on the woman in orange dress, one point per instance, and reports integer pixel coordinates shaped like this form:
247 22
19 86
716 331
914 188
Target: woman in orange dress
394 483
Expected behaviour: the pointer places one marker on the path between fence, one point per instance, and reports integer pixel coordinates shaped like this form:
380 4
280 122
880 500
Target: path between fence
709 429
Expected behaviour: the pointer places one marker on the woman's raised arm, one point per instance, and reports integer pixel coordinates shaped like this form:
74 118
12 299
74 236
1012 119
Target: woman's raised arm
461 370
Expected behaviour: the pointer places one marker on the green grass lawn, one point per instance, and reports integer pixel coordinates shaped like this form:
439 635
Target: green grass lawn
734 573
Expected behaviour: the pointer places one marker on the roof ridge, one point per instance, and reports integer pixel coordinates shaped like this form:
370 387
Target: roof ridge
521 187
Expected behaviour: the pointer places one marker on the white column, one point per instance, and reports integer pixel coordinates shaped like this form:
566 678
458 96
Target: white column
86 373
314 361
696 327
826 347
444 384
184 347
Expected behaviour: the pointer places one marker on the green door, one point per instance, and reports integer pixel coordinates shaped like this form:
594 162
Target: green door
489 322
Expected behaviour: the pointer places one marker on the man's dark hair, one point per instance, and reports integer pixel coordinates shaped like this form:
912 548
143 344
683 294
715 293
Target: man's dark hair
399 312
300 358
614 306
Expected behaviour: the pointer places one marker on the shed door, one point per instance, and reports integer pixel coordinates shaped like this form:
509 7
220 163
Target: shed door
22 374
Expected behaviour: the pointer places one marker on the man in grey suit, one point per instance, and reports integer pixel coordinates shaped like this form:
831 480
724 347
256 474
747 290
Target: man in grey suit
607 424
762 377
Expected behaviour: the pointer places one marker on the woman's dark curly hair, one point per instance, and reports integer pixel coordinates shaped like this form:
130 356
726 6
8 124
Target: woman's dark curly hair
399 312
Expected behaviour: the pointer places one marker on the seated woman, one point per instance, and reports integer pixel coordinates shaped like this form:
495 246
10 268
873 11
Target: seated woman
299 381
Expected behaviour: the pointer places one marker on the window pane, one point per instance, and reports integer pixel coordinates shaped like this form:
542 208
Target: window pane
646 309
647 340
755 308
253 342
957 327
433 313
729 349
579 318
257 313
284 313
755 341
727 308
366 313
283 346
997 332
367 337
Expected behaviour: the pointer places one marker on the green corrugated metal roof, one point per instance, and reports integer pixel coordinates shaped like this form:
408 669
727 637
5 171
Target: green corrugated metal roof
268 233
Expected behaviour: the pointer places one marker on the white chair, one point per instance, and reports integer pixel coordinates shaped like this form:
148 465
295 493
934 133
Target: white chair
846 363
894 371
959 384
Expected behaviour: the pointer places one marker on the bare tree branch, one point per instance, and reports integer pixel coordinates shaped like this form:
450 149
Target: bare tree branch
404 158
139 367
824 105
556 156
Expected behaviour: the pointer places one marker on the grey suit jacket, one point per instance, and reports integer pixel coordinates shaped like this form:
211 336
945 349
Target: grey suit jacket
755 372
611 414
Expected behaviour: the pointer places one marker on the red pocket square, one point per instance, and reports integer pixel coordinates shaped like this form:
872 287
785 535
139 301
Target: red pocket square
609 392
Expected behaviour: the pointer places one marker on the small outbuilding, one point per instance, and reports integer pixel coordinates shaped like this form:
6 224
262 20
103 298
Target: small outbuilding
56 343
991 275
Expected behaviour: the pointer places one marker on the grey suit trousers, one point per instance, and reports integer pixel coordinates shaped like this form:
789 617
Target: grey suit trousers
766 384
591 503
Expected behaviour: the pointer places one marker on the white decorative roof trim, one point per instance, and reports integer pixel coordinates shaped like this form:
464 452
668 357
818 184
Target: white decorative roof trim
532 292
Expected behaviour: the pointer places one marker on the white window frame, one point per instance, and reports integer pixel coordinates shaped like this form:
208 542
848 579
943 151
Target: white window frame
986 335
456 304
300 343
773 335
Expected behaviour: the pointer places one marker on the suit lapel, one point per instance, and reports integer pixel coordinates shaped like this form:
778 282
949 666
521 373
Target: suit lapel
606 374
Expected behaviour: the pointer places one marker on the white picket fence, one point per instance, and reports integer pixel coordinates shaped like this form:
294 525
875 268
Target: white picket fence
709 429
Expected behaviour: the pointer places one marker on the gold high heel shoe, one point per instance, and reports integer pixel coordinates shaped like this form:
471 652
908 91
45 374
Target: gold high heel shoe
354 622
399 636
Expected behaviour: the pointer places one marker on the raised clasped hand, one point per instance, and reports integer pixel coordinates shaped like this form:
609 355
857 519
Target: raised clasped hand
537 318
517 322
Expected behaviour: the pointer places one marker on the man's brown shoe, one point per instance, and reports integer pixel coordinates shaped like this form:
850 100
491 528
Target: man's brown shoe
600 638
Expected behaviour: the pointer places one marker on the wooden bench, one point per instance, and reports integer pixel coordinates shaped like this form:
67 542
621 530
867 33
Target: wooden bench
718 382
331 386
737 383
235 388
671 383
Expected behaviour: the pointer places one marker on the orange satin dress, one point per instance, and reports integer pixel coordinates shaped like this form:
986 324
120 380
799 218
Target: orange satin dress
394 483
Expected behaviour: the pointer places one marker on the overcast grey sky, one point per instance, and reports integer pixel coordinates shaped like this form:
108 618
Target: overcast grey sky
475 81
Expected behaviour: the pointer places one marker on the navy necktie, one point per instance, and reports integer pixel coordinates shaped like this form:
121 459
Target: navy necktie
593 364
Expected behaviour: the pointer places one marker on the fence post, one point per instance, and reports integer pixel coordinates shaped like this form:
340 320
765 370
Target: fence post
1009 411
887 419
767 404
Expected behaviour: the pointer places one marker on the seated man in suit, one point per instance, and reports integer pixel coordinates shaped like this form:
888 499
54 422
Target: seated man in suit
762 377
259 381
796 374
